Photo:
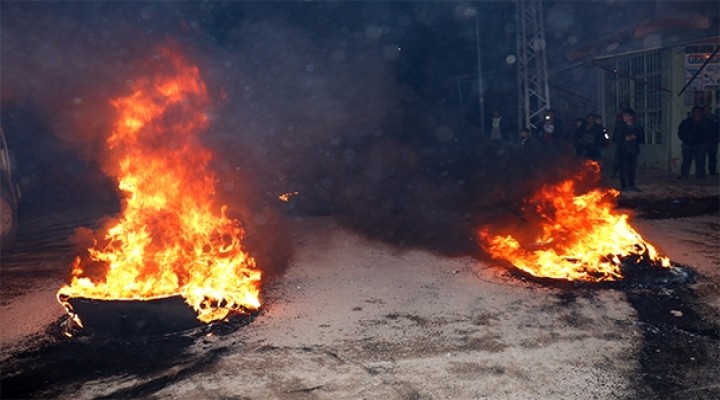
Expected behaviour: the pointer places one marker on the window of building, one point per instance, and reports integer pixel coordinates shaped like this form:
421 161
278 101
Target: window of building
639 81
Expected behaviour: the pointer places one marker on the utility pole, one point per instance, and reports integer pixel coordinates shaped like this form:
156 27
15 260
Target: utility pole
532 73
481 86
473 12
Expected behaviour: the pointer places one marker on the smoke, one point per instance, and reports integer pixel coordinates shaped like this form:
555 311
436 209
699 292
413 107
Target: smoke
293 110
291 103
282 98
437 197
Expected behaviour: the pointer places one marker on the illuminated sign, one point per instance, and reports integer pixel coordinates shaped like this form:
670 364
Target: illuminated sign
709 77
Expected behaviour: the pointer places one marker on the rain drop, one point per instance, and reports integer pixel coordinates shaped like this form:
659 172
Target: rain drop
338 55
444 134
613 46
373 32
391 52
510 27
537 44
651 41
260 219
147 12
560 17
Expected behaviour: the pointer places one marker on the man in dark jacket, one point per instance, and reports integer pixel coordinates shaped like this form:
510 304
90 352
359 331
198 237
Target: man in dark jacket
629 137
528 142
695 133
590 138
619 123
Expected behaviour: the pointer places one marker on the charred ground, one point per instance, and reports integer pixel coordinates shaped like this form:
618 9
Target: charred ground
148 362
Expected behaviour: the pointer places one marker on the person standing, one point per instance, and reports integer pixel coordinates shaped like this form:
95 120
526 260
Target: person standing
526 141
712 146
550 128
616 129
629 138
498 127
694 132
590 138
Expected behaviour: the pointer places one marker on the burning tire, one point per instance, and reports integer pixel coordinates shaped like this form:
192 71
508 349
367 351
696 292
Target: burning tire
8 217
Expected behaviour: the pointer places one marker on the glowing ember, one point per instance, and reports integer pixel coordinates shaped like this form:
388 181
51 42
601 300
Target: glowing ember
286 196
572 236
171 238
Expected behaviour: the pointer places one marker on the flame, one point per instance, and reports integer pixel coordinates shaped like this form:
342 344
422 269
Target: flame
286 196
171 238
575 237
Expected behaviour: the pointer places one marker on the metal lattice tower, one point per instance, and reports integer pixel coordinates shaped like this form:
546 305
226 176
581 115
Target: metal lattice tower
532 73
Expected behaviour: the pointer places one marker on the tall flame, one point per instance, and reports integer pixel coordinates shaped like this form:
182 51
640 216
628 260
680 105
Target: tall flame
572 236
171 238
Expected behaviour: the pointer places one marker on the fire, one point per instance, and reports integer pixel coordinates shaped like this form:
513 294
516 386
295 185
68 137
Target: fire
171 238
286 196
572 236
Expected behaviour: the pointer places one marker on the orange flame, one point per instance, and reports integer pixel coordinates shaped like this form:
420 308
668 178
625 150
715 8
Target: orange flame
171 239
286 196
577 236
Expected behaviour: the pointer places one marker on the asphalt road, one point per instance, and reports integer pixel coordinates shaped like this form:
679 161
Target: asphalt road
357 319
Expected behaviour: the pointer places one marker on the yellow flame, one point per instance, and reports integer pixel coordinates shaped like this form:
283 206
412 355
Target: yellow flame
171 238
581 236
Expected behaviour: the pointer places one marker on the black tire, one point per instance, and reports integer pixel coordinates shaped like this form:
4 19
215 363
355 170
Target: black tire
8 218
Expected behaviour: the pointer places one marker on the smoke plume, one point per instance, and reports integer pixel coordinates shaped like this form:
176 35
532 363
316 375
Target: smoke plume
292 110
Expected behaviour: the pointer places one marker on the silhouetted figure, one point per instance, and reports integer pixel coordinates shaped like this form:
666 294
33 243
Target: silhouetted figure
550 128
628 138
590 138
527 141
619 123
695 132
498 126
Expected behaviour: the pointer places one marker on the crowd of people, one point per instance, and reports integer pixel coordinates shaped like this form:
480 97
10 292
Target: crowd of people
699 134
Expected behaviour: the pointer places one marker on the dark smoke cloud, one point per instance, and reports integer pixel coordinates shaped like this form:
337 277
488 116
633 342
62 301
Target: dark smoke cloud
291 104
282 98
292 110
61 65
437 197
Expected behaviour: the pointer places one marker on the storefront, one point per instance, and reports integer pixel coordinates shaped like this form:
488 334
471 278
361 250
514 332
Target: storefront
661 85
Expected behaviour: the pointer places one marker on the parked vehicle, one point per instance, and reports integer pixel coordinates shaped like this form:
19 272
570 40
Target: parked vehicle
9 196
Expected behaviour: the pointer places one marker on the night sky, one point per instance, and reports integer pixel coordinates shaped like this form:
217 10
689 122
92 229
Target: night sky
424 47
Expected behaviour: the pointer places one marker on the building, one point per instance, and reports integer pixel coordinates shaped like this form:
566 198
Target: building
645 54
662 85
